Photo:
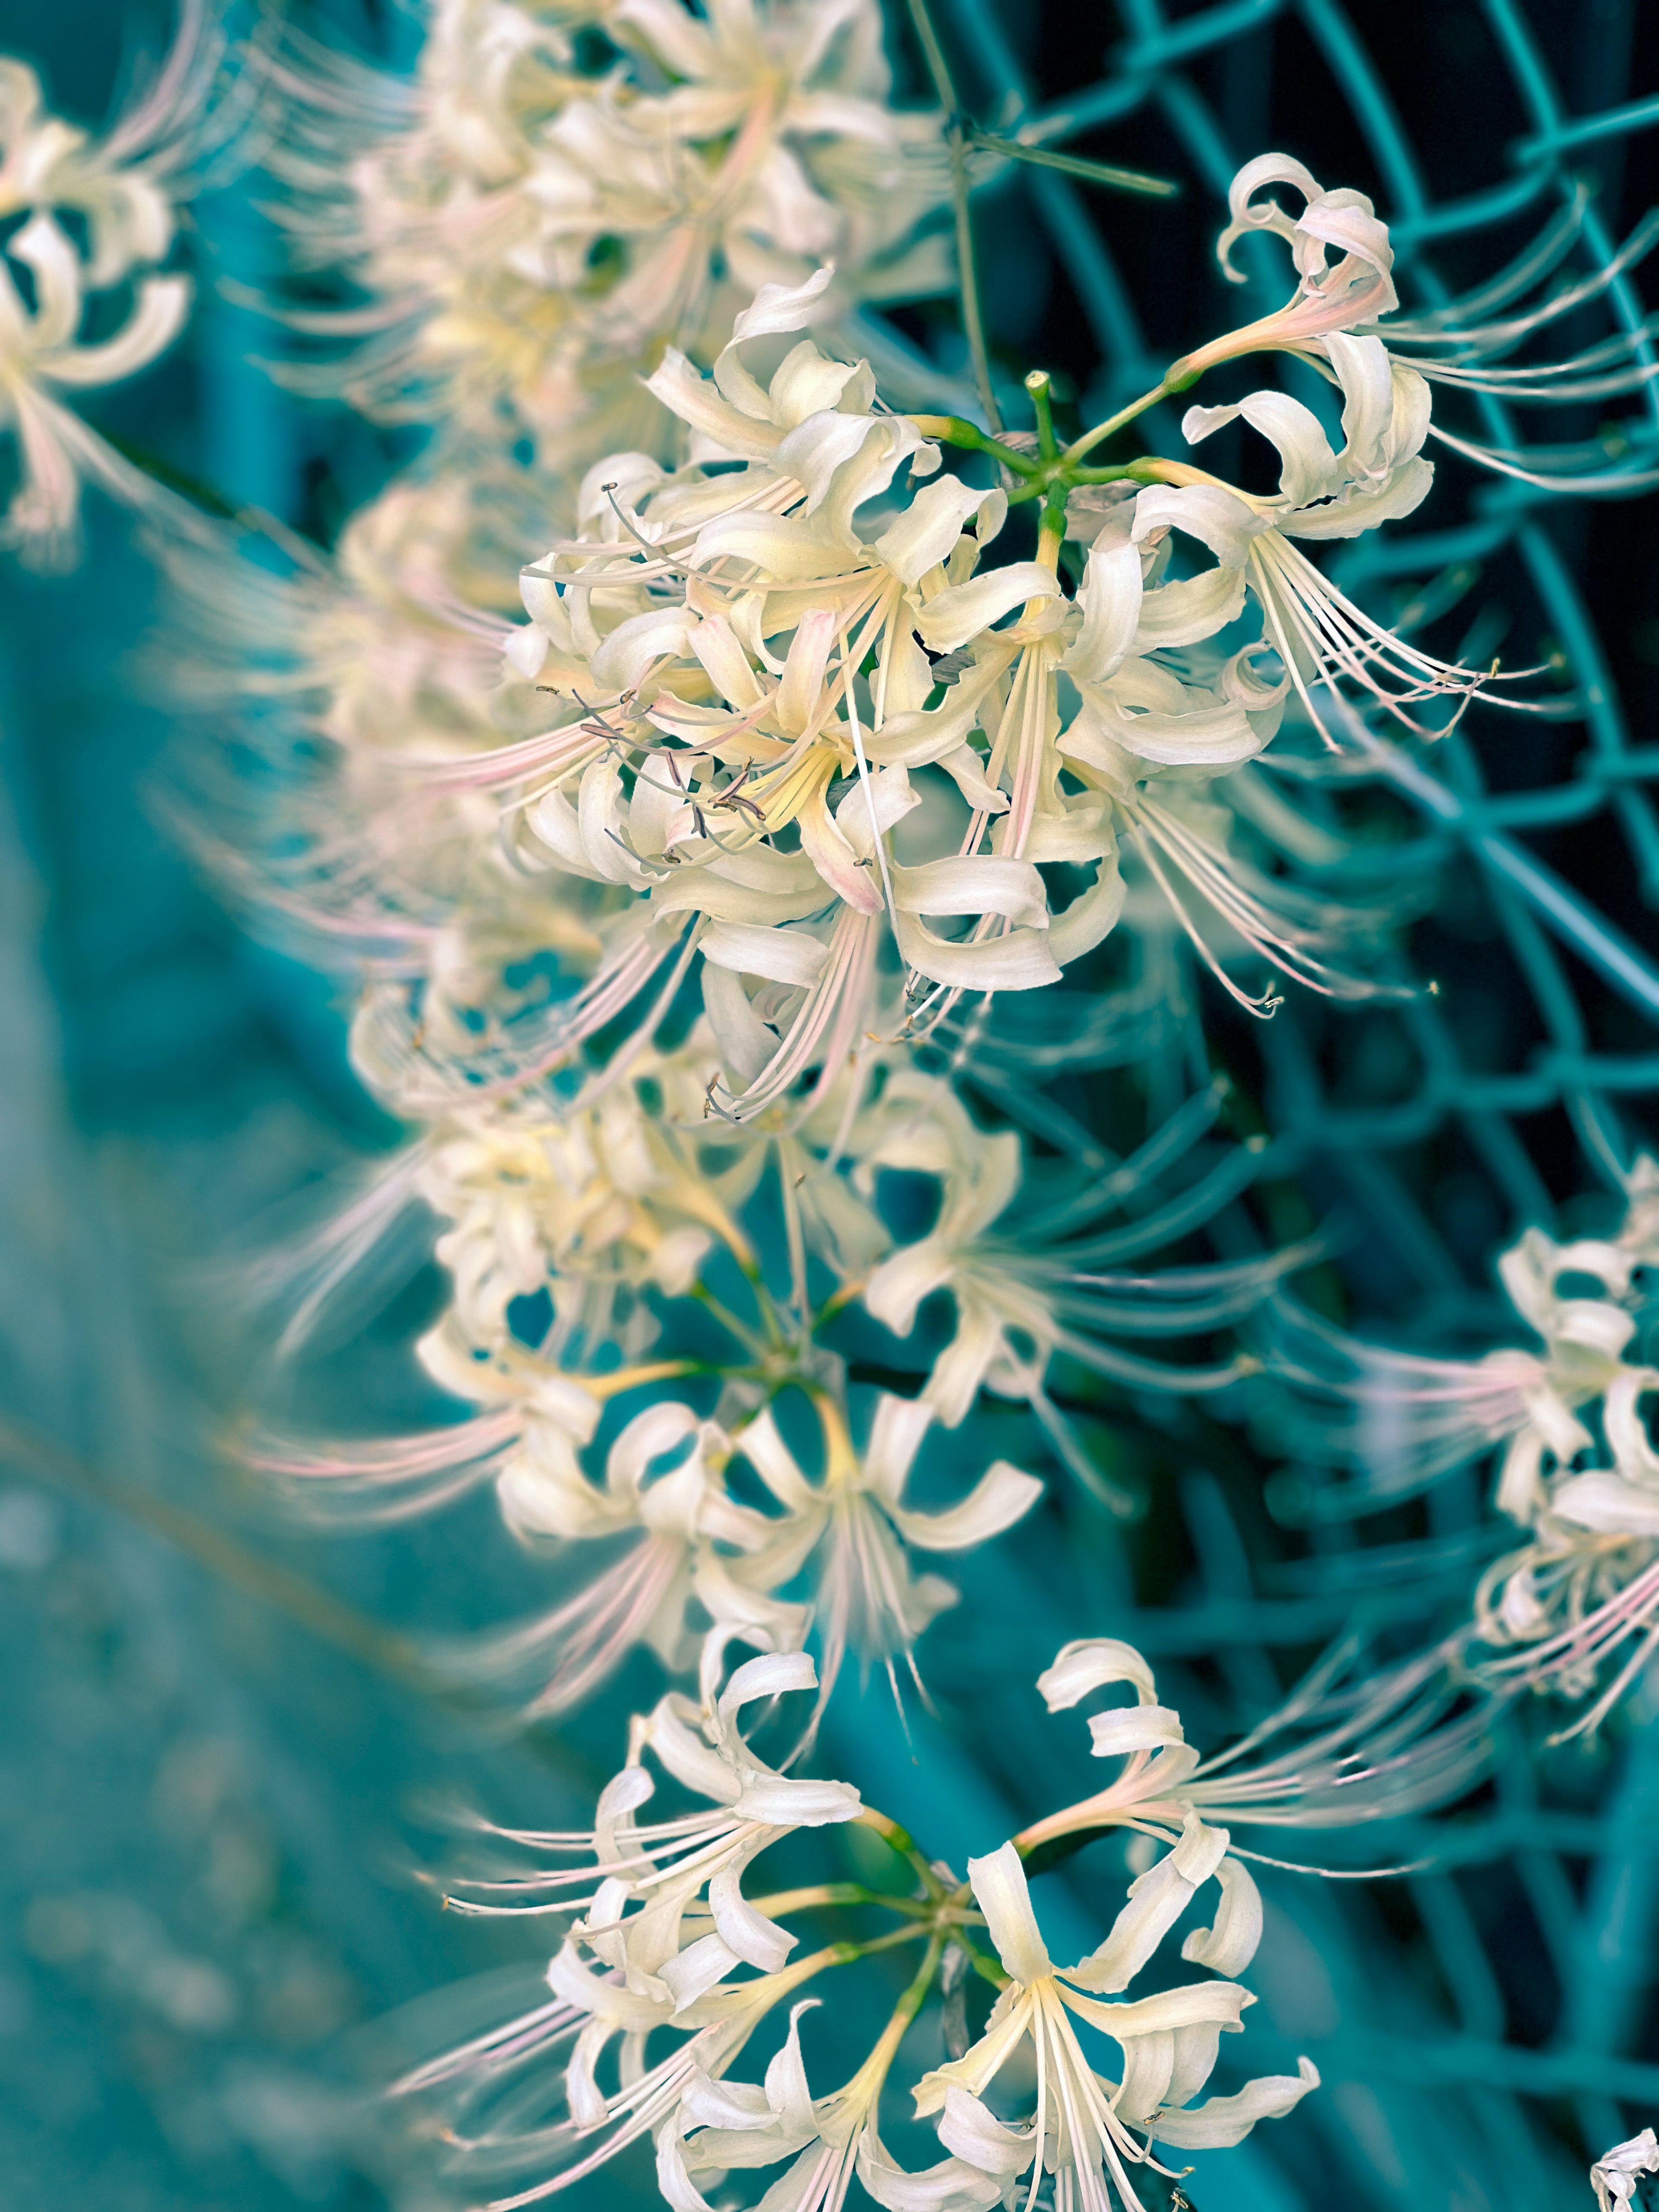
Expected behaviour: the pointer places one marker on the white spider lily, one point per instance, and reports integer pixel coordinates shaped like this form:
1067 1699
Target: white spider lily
734 2126
728 2126
1587 1585
125 183
528 231
745 558
1330 296
1461 345
1364 1757
609 1196
47 163
854 1529
1021 1295
40 355
533 1417
1560 1610
673 1519
712 637
1615 2174
495 2131
926 1127
647 1881
1324 640
1085 2128
1418 1417
740 2124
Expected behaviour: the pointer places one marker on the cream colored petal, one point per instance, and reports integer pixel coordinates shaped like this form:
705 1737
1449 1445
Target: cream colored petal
1002 1496
925 533
1003 1896
1221 2122
1111 597
1020 960
1229 1946
781 955
963 610
1094 1663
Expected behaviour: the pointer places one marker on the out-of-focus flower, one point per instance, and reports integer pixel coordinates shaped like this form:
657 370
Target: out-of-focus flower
42 356
530 220
1375 1756
126 184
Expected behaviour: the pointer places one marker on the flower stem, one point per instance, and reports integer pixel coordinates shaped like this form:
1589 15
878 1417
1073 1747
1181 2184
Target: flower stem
866 2082
1086 444
900 1840
957 430
1037 384
829 1893
957 135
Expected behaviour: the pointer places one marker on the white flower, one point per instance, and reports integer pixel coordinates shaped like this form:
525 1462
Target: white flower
922 1125
674 1519
529 226
1417 1416
1329 296
720 575
1373 1756
1588 1581
1615 2174
649 1878
124 184
534 1415
1083 2129
663 1914
1327 644
41 354
1462 344
853 1527
737 2125
592 1204
1024 1290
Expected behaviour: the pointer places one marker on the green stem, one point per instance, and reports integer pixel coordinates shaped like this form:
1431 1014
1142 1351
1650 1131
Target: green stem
751 1343
957 430
900 1840
1037 384
1102 431
868 2080
825 1894
957 139
1073 165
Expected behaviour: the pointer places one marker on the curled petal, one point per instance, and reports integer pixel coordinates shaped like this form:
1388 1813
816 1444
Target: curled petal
1229 1946
1002 1496
1221 2122
1092 1663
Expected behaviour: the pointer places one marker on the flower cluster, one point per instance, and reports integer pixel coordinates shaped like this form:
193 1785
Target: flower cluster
99 219
686 909
659 1930
1578 1469
562 188
753 809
